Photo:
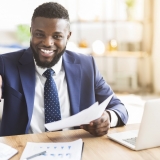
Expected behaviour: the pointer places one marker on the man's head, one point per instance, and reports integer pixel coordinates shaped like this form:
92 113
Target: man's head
50 31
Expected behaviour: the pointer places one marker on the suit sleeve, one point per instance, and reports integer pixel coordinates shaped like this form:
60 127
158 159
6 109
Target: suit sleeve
103 91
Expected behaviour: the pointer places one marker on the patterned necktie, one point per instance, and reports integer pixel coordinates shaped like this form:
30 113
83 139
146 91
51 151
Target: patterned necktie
51 100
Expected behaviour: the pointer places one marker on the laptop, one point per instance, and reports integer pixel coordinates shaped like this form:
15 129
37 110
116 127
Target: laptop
148 135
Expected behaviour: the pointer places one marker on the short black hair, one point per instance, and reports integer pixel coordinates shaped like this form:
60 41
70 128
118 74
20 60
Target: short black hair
51 10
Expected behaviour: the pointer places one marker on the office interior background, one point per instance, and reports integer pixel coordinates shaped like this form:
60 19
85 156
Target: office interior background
123 36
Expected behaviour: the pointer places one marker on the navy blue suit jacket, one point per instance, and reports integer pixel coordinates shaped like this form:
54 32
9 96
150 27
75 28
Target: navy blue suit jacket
85 86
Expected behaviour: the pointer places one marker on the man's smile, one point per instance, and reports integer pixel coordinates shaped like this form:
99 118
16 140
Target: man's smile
47 52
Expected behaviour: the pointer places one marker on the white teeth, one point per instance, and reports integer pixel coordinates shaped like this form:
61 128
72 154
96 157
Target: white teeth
46 51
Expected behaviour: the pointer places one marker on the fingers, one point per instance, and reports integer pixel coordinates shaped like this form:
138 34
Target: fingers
0 87
98 127
96 131
100 121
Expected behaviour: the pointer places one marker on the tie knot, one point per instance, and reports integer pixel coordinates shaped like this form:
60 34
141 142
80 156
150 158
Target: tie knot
48 73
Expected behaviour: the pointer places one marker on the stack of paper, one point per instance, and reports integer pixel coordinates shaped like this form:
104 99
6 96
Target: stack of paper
57 151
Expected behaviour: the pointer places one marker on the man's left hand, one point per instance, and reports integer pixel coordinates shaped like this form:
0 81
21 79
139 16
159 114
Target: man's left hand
98 127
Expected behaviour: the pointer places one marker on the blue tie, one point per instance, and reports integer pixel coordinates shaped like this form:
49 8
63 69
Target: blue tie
51 100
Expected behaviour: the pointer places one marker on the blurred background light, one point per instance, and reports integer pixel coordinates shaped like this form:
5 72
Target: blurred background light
98 47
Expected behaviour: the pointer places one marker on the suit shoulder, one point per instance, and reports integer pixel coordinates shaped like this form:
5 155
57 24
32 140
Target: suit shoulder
79 56
13 55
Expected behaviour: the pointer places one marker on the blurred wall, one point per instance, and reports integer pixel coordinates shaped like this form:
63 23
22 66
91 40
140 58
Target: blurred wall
156 47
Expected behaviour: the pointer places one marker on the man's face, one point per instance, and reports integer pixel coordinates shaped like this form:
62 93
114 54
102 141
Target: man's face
49 37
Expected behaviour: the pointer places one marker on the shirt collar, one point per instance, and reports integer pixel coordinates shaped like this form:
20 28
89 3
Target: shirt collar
57 67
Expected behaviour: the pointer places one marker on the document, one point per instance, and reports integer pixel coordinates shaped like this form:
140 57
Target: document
84 117
58 151
6 151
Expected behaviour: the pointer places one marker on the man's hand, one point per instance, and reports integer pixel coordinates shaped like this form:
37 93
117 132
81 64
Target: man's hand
0 87
98 127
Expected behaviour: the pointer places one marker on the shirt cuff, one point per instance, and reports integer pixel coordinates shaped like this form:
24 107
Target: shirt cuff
114 118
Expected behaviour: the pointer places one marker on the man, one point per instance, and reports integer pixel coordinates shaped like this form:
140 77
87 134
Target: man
77 79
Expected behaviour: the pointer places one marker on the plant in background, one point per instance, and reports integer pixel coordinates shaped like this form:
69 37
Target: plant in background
130 5
23 34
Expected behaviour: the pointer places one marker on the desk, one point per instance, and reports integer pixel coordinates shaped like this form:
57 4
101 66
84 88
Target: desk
95 148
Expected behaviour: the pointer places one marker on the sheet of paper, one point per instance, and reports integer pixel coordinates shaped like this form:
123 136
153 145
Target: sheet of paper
6 151
84 117
58 151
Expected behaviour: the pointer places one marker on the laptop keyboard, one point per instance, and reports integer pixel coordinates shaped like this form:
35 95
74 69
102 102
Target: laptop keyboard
131 140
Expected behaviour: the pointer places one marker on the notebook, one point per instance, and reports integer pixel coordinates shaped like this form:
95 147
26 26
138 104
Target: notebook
148 135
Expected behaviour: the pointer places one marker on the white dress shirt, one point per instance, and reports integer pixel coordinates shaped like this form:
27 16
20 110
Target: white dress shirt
38 119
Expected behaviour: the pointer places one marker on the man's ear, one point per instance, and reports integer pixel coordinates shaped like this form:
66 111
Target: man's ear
69 34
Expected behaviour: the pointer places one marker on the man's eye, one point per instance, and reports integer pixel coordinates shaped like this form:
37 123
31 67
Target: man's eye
57 36
38 34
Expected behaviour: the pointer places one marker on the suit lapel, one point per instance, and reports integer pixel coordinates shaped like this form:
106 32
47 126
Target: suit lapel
27 75
73 78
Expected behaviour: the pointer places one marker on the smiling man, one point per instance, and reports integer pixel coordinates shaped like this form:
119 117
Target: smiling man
33 96
49 39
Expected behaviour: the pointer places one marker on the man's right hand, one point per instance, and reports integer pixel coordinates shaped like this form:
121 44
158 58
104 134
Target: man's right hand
0 87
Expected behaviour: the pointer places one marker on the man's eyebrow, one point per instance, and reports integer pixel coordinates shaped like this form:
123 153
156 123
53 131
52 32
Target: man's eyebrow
43 31
39 30
57 32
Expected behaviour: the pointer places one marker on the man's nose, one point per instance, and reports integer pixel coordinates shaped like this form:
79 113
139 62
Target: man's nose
49 41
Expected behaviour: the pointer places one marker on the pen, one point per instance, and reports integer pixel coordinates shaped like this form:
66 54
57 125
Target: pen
35 155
